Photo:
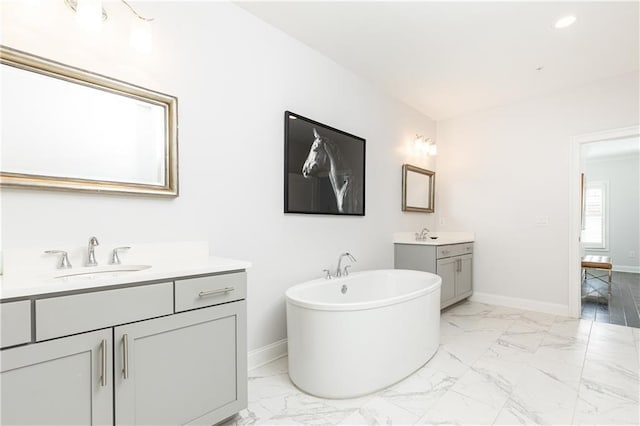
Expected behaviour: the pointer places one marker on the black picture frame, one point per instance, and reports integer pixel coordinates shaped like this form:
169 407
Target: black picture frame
324 168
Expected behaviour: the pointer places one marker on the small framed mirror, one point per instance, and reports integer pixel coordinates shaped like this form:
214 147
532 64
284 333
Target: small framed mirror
418 189
69 129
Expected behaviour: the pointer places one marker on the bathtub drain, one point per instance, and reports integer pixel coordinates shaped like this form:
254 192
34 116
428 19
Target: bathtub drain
344 288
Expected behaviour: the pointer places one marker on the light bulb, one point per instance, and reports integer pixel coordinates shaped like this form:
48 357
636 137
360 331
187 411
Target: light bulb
140 38
89 14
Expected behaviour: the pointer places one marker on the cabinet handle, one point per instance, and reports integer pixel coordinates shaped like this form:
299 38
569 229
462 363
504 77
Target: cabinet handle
103 366
125 356
445 252
459 265
215 292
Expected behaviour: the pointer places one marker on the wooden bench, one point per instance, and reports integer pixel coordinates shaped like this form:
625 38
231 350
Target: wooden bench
597 262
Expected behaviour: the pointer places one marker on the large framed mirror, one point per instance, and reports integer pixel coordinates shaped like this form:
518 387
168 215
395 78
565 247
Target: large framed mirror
69 129
418 189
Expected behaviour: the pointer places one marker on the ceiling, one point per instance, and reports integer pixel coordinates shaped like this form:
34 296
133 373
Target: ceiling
448 58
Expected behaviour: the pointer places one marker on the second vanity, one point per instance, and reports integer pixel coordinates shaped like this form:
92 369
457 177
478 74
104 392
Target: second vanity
449 255
164 345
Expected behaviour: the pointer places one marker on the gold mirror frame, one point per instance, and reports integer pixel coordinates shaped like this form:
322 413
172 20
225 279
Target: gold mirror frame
28 62
431 186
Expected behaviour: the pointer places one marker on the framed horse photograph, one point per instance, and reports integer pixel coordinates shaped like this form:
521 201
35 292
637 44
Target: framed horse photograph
323 168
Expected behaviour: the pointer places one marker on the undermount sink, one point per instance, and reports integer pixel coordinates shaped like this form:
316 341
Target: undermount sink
109 271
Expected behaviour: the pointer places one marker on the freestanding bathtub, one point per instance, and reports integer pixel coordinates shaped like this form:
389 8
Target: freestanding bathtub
355 335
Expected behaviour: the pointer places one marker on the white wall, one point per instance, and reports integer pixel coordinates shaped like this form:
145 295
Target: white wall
234 77
622 175
503 172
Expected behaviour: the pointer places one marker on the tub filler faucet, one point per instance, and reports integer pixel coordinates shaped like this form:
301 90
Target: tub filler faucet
91 255
339 271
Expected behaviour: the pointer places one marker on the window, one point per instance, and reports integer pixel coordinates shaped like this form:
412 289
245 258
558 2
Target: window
594 234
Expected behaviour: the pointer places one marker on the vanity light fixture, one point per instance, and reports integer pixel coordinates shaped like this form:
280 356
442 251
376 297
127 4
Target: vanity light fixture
90 14
565 21
424 146
140 38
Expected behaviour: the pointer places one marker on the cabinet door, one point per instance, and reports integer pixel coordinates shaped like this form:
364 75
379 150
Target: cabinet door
447 271
463 275
59 382
187 368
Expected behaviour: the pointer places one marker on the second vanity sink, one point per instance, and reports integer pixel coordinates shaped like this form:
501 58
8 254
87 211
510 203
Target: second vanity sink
99 272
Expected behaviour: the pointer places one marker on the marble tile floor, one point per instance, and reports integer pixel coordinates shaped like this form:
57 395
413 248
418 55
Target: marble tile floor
495 365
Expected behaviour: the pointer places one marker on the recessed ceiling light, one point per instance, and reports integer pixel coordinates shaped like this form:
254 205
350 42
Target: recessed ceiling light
565 21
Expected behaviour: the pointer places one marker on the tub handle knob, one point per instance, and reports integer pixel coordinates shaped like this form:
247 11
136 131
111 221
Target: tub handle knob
346 270
328 274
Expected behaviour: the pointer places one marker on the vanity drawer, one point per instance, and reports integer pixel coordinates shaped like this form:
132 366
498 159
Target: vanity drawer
65 315
15 320
454 250
211 290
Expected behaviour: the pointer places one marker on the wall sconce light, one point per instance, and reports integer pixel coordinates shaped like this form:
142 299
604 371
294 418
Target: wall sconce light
90 14
424 146
140 38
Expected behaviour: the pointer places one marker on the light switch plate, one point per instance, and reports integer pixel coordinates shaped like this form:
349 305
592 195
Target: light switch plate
542 220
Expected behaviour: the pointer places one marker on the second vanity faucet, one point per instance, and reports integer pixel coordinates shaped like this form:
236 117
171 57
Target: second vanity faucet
91 255
422 236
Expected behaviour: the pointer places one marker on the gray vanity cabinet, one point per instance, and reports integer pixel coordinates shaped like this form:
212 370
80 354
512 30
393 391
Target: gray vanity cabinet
188 368
163 353
59 381
452 262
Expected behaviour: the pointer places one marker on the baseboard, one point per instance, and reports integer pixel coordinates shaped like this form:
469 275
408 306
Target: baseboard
266 354
623 268
526 304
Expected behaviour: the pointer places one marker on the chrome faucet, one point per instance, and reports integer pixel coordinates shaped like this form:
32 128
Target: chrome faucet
422 236
115 258
91 259
345 272
64 258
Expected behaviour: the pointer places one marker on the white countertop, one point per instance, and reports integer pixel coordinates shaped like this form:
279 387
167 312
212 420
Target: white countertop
25 286
443 238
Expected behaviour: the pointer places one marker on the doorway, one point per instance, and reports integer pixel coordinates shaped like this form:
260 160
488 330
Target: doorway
604 217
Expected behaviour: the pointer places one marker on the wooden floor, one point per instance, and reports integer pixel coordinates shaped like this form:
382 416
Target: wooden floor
624 306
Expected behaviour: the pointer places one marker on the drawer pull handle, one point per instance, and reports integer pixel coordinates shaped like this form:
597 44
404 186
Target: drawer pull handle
103 366
125 356
445 251
216 292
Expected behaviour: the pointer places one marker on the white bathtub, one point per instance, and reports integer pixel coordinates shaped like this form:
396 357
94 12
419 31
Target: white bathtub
385 327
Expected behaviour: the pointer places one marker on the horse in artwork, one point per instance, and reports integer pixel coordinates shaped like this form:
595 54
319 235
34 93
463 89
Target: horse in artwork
325 157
